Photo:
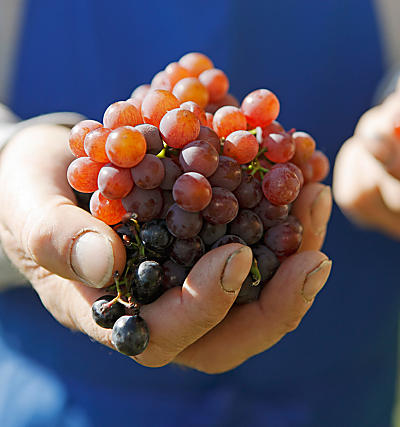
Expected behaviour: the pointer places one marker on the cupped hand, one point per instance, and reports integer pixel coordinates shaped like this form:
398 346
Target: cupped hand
68 255
366 180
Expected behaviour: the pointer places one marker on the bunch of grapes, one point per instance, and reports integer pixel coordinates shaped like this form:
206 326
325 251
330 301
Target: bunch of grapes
180 168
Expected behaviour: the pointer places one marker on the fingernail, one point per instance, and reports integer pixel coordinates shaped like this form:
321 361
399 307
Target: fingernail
315 280
92 259
235 270
321 210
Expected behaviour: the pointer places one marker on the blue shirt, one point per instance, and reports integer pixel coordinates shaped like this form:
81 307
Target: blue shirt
323 60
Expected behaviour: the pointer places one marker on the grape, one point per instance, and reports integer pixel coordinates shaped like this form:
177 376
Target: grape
155 235
199 156
114 182
152 136
140 92
192 192
210 119
187 251
267 262
95 144
241 146
183 224
156 103
196 110
104 314
248 293
228 99
274 127
168 201
125 146
147 284
161 81
281 186
293 168
146 204
284 239
260 107
280 147
196 63
320 166
216 82
136 102
208 135
121 113
109 211
228 238
270 214
82 174
130 335
78 134
228 174
249 193
191 89
178 127
210 233
228 119
174 274
176 72
248 226
223 207
172 172
305 147
149 173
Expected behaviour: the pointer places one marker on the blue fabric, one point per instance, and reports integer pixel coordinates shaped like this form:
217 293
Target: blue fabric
324 60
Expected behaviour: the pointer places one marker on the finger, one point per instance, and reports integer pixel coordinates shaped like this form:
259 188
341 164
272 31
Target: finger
313 209
376 131
357 181
182 315
252 328
42 216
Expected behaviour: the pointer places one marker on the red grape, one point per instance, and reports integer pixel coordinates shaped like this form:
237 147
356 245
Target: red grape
284 239
78 134
241 146
281 186
199 156
223 207
156 103
216 82
95 144
191 89
121 113
149 173
152 136
114 182
305 147
196 63
172 172
249 193
280 147
208 135
192 192
82 174
260 107
197 110
109 211
146 204
183 224
228 174
227 120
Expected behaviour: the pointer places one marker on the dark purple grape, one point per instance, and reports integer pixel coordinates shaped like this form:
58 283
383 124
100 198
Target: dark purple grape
155 235
223 207
174 274
105 315
228 238
172 173
146 204
270 214
248 226
183 224
187 251
147 285
130 335
267 262
168 201
249 193
152 136
248 293
210 233
228 174
284 239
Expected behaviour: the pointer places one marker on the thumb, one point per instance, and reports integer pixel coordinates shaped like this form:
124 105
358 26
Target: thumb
41 215
182 315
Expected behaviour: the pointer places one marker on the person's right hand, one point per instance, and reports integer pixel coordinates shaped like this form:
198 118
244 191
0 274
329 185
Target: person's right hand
366 180
68 255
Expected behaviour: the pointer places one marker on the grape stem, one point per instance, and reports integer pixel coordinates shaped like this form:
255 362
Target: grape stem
255 273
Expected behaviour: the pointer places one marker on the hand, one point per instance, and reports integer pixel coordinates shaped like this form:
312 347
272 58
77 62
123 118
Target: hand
63 249
367 170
